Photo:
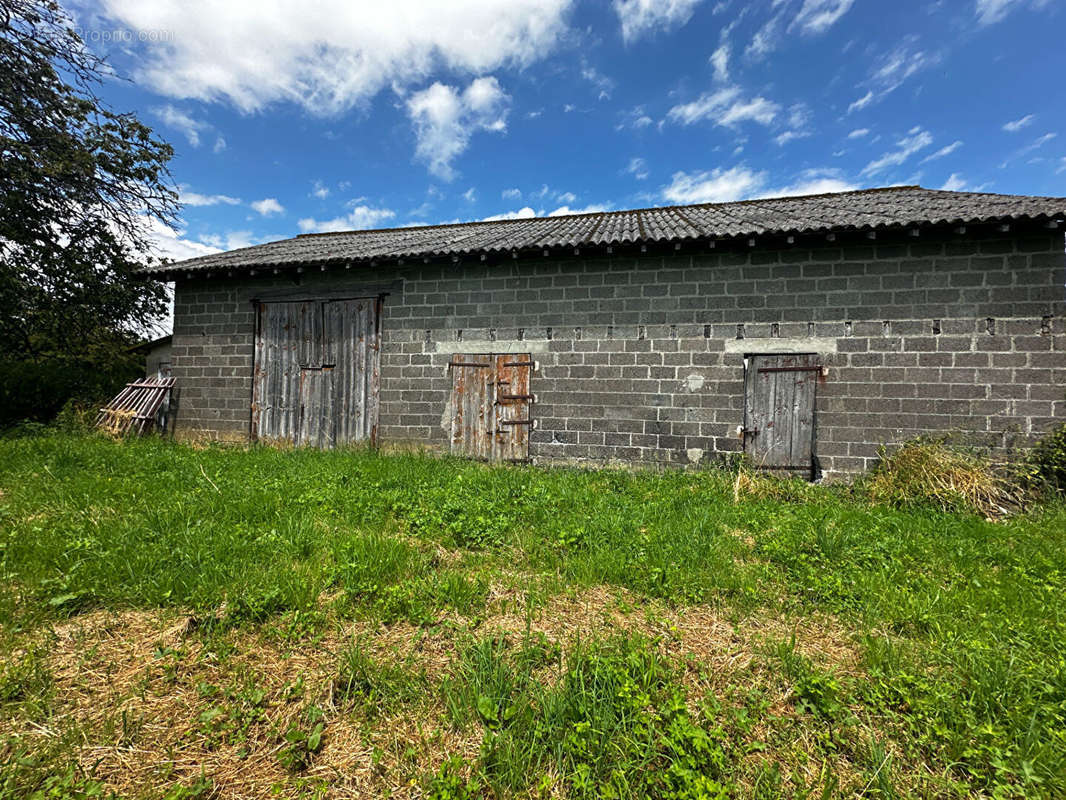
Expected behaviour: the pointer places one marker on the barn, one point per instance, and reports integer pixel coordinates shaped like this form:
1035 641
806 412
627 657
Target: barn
804 331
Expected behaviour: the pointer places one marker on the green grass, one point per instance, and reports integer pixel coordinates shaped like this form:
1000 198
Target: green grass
960 622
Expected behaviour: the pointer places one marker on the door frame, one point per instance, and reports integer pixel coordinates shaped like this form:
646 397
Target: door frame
377 297
508 413
813 470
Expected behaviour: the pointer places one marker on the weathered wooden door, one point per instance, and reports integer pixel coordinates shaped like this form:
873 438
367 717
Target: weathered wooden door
779 410
491 406
316 371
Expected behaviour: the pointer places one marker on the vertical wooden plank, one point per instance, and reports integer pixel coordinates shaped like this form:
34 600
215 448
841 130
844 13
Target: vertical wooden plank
351 346
511 404
336 355
277 374
803 415
750 424
784 393
470 405
373 368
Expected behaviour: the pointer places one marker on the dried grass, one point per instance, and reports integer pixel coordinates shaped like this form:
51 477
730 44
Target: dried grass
130 681
760 485
932 473
116 422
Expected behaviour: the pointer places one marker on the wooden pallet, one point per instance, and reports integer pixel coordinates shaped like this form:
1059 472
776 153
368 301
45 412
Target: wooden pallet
134 409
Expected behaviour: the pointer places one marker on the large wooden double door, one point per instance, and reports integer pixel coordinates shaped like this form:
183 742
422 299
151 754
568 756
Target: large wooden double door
317 371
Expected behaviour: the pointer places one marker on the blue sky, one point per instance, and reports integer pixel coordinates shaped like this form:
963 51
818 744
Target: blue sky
330 115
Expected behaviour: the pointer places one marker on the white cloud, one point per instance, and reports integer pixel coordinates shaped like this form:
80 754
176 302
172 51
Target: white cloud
641 17
1040 141
954 183
511 194
360 217
635 118
725 107
741 183
799 120
638 168
267 206
174 117
1016 125
715 186
917 139
598 79
330 56
943 151
766 39
320 190
1062 168
167 242
859 133
522 213
900 64
566 197
595 208
1036 144
862 102
220 145
813 185
788 136
818 16
720 62
445 119
196 199
470 195
234 240
990 12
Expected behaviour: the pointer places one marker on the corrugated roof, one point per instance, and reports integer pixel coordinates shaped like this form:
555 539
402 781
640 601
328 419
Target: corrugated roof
869 209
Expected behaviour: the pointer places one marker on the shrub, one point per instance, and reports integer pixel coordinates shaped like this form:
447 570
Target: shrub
38 391
930 473
1048 458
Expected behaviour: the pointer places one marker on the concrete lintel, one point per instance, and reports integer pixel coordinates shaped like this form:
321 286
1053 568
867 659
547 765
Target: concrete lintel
498 346
798 344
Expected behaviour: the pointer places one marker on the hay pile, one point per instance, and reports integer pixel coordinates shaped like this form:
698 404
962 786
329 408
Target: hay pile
961 481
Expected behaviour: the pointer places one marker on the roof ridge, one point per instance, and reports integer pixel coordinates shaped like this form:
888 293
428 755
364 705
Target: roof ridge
750 201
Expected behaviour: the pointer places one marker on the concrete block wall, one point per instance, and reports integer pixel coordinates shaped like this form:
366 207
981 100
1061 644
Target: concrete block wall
642 356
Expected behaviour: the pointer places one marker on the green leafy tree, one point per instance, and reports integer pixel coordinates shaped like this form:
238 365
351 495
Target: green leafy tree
79 186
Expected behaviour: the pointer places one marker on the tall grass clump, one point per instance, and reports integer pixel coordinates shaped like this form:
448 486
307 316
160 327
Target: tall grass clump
931 473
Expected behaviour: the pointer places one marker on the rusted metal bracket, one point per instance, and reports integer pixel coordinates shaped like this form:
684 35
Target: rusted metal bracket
468 364
812 368
517 422
517 396
520 363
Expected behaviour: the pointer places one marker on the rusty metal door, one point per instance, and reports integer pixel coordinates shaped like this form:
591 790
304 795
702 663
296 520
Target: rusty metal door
779 410
491 406
316 372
